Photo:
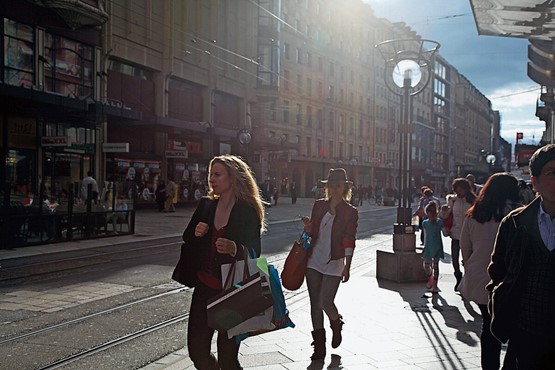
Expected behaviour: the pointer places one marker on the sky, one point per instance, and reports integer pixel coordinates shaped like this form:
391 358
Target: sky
496 66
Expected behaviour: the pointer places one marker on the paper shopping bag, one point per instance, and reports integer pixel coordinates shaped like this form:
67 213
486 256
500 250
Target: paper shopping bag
241 301
262 321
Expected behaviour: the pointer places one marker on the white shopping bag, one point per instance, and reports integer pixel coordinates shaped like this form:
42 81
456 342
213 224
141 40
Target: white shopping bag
263 321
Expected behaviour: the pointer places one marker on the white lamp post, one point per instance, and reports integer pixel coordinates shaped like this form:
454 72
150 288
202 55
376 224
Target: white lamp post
408 70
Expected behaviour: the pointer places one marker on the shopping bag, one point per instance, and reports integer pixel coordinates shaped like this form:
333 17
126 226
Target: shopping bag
294 269
241 301
263 320
280 315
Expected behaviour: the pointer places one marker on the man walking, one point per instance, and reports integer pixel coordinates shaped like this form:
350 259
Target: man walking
523 261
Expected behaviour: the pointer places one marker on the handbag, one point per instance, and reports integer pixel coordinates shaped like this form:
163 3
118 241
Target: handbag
241 301
189 264
294 269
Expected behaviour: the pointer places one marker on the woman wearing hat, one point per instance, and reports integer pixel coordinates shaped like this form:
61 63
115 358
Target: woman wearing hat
333 227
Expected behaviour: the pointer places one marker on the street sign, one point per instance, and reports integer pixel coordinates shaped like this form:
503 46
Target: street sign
115 147
176 154
54 141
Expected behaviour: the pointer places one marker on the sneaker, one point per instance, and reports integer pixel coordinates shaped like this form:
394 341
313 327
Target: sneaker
430 282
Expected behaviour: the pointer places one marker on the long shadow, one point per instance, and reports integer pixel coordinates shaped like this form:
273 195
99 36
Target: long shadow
426 307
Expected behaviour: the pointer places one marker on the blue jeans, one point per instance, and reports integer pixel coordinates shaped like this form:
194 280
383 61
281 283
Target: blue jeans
322 290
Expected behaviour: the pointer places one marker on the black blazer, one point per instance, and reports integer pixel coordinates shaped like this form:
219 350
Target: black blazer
243 228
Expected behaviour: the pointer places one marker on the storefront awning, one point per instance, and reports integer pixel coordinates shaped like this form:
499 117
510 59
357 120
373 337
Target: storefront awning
531 19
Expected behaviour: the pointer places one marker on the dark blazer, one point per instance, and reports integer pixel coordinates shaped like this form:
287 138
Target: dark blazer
344 229
243 228
516 232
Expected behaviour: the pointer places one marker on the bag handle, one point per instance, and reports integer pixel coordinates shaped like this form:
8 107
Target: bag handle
231 272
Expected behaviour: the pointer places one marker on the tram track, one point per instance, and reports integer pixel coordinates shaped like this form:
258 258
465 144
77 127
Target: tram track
73 355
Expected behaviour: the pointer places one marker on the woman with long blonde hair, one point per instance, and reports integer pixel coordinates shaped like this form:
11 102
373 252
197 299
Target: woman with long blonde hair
226 225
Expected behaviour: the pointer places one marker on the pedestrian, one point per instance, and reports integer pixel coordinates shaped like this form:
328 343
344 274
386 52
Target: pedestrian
458 204
497 198
525 194
89 180
332 226
276 195
160 195
235 223
171 193
425 199
433 245
472 180
120 213
293 193
523 260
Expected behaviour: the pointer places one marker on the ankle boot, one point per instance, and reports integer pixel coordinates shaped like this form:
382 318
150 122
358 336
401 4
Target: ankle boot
336 326
319 343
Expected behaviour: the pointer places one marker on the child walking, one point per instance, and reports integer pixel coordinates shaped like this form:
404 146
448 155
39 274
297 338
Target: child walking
433 246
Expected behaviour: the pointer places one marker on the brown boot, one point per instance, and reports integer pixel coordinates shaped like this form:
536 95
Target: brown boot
319 343
336 326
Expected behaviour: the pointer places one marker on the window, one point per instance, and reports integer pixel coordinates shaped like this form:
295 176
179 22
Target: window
286 50
299 56
308 147
68 66
285 111
299 114
309 87
19 54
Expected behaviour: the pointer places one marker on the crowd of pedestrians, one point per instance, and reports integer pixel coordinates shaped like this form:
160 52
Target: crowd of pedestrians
502 252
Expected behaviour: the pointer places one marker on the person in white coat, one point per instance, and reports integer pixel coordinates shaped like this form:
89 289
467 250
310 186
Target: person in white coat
497 198
458 205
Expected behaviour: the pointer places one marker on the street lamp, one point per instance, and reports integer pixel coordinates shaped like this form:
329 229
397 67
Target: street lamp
245 137
408 69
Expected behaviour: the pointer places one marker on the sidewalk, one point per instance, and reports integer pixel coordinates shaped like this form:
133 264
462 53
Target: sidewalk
388 325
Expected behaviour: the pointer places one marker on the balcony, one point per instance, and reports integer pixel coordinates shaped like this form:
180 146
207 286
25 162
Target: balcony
77 13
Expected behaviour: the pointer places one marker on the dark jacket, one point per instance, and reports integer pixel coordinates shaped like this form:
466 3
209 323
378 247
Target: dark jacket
344 229
522 262
243 228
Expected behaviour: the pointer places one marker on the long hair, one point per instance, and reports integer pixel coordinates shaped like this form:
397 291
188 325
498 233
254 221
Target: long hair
492 200
346 194
463 183
242 182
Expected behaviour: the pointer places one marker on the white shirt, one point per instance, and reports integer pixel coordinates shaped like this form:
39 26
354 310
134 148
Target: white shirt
320 260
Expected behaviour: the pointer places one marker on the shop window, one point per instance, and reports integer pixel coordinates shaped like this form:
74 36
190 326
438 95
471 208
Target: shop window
68 66
131 86
19 55
20 171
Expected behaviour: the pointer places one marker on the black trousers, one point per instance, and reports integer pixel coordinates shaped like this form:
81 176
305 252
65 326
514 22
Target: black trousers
530 351
199 336
491 347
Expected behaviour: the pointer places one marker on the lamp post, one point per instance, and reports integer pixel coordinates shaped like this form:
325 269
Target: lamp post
245 137
408 70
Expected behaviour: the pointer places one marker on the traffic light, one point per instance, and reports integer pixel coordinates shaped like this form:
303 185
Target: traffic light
541 67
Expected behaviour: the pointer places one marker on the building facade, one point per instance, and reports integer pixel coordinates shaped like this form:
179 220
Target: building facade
145 91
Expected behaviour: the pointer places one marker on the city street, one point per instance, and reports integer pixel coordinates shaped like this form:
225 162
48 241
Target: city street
110 303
